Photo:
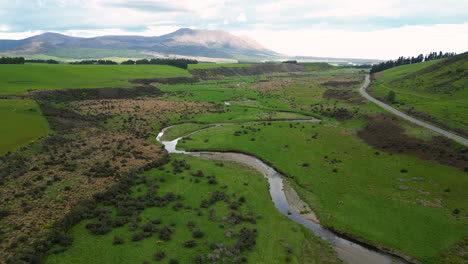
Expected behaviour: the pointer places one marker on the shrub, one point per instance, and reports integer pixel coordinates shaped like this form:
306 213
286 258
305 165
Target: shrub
117 240
159 255
173 261
138 236
165 234
197 233
98 228
189 243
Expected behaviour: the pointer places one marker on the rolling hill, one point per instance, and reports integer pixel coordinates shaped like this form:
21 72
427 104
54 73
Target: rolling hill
434 91
183 42
202 45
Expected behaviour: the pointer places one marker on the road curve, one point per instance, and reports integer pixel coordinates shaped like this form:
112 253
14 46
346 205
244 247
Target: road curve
442 132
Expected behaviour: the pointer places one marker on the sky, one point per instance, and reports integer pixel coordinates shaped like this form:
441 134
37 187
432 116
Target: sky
380 29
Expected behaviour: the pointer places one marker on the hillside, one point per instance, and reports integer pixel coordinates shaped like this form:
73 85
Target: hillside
202 45
183 42
434 91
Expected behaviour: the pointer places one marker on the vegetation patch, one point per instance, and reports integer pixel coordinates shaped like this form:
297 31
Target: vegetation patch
179 216
383 133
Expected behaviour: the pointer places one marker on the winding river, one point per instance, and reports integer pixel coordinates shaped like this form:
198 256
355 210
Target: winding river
348 251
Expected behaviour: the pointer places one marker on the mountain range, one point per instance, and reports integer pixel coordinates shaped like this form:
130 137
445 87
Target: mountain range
203 45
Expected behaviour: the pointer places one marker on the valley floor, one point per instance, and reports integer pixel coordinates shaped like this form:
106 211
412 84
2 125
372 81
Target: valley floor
364 172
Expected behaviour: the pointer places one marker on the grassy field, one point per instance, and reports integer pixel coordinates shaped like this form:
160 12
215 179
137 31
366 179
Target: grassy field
216 65
44 76
395 199
270 247
22 123
353 189
318 66
181 130
434 91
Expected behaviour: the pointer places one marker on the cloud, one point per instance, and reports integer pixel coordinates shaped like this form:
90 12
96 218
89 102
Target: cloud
378 44
4 28
305 26
148 6
242 17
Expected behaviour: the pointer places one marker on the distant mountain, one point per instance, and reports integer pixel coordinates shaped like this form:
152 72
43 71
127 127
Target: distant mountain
203 45
183 42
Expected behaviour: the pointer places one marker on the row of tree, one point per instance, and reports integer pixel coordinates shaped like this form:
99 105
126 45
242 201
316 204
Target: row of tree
410 60
181 63
11 60
43 61
99 62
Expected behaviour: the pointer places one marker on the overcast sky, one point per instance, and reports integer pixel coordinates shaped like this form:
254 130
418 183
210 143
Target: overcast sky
336 28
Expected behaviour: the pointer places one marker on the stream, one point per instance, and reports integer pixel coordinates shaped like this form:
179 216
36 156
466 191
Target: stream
348 251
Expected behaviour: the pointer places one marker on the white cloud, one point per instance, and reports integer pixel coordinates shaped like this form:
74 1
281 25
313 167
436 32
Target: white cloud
4 28
242 17
150 32
378 44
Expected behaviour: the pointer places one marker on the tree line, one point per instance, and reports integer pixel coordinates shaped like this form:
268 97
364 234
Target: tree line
99 62
410 60
11 60
180 63
43 61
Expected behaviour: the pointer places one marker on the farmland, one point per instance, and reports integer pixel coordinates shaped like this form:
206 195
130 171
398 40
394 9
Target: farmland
22 123
65 76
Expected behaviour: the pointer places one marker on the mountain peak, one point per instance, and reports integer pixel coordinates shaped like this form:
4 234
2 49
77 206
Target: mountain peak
216 38
216 43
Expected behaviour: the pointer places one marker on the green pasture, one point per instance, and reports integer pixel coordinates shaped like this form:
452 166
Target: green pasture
17 79
354 187
436 88
275 231
21 123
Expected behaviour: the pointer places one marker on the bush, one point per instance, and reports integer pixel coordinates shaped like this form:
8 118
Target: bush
117 240
66 241
165 234
197 233
98 228
173 261
189 243
159 255
138 236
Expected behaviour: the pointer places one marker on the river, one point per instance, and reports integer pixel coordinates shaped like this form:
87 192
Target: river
348 251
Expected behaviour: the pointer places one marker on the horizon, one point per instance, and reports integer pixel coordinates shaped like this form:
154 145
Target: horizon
361 29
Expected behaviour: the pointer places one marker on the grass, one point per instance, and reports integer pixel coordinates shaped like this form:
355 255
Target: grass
435 88
22 123
181 130
241 181
62 76
363 196
216 65
318 66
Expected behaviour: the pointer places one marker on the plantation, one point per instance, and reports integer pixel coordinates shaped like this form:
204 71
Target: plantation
65 76
22 123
